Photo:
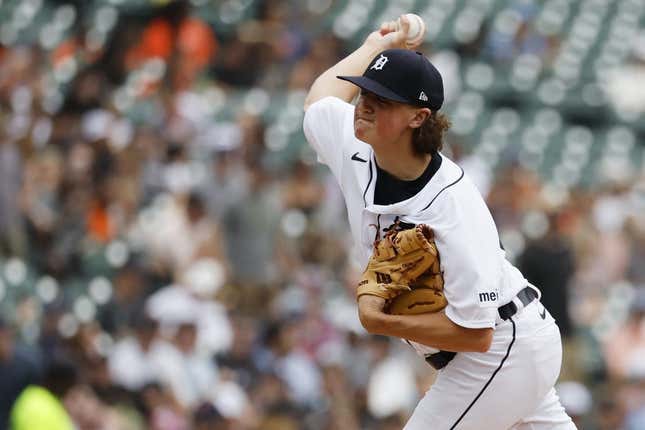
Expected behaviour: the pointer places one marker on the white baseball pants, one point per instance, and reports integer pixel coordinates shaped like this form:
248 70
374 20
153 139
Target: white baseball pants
508 387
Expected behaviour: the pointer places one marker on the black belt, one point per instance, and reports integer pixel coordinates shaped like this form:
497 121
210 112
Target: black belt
526 296
440 359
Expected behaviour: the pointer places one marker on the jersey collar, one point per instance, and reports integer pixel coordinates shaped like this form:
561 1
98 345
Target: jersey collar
448 174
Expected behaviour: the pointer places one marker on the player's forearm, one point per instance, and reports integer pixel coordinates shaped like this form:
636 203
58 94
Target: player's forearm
389 35
354 64
432 329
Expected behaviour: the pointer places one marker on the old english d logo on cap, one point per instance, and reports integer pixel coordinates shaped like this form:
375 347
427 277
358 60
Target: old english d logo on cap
379 63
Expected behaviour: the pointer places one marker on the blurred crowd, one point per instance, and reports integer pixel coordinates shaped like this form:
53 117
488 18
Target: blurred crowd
158 268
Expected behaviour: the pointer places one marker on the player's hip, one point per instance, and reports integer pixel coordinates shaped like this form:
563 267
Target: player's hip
497 388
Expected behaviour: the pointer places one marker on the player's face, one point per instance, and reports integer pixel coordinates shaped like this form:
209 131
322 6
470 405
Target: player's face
378 121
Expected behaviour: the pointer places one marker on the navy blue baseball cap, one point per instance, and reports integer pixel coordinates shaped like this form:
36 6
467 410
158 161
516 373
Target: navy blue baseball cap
403 76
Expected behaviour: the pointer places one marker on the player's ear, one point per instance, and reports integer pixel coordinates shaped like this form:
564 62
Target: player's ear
420 115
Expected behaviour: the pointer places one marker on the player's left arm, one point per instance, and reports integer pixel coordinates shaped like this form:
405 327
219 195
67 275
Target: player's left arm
386 37
432 329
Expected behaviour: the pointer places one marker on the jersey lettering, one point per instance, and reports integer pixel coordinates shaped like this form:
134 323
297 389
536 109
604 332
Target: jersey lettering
488 299
383 278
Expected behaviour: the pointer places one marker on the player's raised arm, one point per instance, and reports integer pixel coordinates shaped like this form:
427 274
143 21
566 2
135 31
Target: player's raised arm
386 37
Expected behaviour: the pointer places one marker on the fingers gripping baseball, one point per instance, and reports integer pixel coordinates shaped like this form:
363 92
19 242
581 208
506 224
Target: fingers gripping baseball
388 27
414 29
405 32
388 36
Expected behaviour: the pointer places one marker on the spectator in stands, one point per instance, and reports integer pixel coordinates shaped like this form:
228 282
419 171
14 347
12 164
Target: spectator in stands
163 412
11 229
131 362
610 414
20 367
206 417
251 227
40 407
549 263
285 357
625 347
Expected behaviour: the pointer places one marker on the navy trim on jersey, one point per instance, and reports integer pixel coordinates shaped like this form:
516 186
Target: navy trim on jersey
368 184
508 352
388 189
441 190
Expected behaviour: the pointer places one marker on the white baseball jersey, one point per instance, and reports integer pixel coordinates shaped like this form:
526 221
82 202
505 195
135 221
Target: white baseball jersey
478 278
510 385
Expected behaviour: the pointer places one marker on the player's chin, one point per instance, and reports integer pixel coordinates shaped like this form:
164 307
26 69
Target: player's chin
361 128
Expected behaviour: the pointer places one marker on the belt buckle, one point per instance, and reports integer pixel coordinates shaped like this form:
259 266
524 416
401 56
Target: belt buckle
508 310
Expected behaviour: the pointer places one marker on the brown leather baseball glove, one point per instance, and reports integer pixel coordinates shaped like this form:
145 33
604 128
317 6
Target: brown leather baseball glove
405 270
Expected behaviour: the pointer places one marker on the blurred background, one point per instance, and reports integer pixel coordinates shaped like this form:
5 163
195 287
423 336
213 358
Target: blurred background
171 256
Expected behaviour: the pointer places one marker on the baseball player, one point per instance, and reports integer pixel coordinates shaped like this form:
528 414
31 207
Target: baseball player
498 350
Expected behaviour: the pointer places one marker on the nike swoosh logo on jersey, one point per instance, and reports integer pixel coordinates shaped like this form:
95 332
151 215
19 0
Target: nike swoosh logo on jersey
355 157
543 313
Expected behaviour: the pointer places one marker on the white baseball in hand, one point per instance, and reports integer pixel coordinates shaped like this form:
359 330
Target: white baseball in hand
416 30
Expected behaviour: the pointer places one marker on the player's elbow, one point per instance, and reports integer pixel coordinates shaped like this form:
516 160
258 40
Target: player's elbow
370 321
483 340
367 321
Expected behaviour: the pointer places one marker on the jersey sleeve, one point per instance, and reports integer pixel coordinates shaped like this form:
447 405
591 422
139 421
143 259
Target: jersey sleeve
327 125
471 262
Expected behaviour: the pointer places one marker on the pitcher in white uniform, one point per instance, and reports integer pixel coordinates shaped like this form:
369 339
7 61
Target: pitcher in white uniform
497 349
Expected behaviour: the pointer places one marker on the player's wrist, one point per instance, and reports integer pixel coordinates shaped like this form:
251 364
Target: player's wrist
388 36
374 44
407 32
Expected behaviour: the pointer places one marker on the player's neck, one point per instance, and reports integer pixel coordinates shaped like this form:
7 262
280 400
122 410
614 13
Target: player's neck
403 165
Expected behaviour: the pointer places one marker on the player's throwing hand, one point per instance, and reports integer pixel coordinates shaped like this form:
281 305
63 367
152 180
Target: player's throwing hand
398 34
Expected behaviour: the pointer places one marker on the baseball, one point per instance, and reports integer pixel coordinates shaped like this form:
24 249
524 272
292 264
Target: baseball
416 31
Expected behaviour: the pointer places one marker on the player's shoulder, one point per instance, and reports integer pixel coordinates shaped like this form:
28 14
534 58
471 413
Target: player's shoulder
449 172
446 177
326 114
449 184
329 102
